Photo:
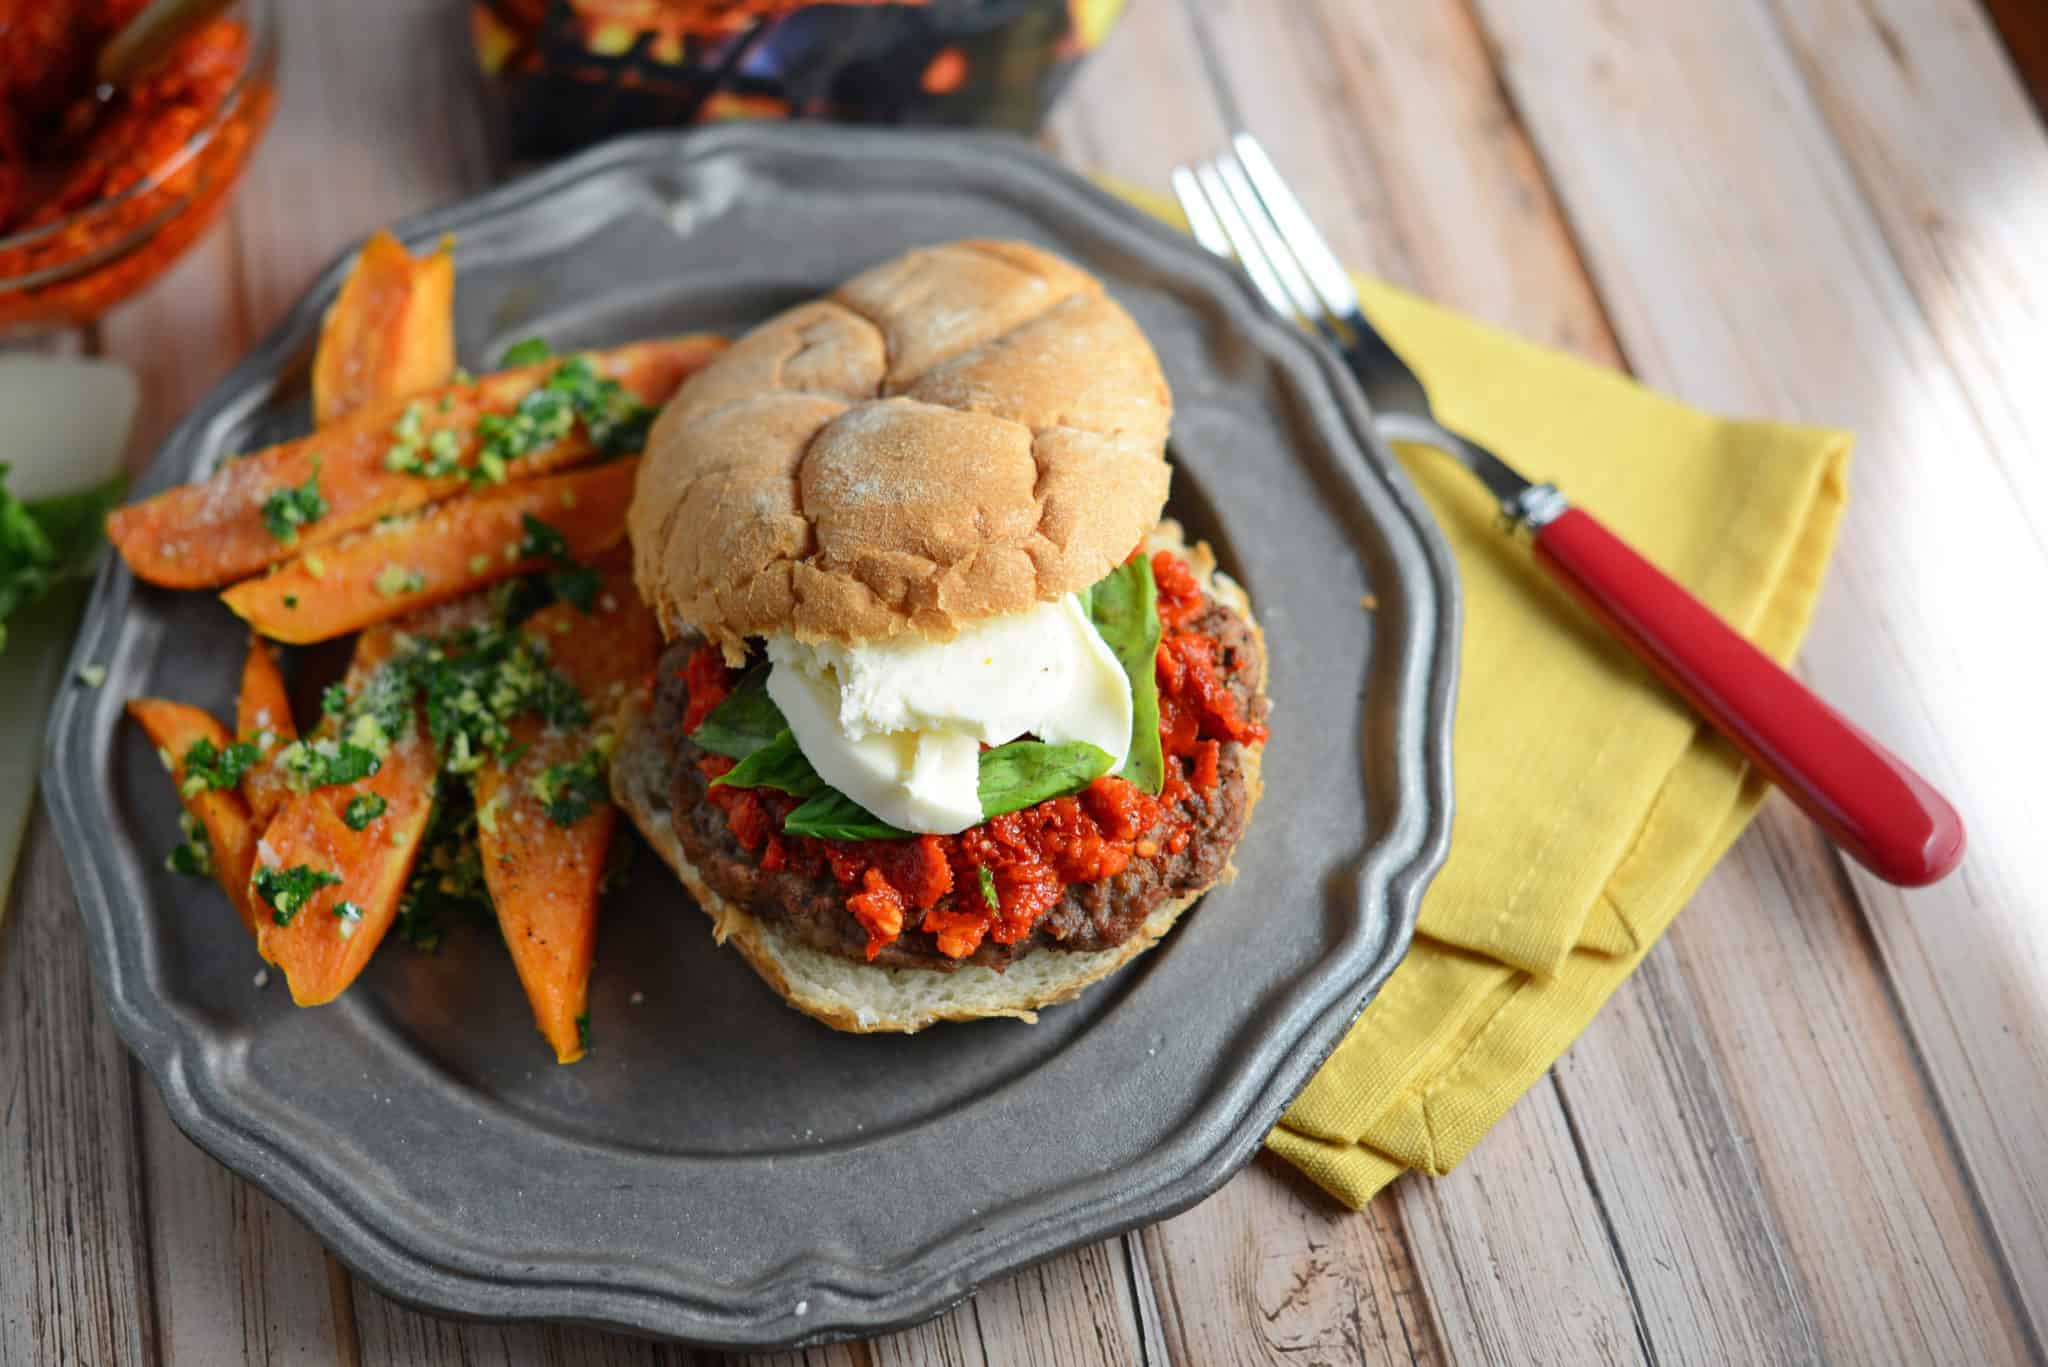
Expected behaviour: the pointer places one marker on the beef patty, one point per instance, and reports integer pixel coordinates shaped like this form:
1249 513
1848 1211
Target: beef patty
811 909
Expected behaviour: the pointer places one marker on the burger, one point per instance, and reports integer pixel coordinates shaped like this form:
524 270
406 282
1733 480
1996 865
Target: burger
949 723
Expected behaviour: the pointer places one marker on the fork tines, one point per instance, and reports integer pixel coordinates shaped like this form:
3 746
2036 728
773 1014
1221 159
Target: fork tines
1238 206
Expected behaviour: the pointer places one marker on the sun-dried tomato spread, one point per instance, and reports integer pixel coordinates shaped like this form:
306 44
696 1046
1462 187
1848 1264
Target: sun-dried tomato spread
995 881
62 151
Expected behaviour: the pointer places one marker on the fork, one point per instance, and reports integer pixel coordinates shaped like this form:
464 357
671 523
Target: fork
1868 801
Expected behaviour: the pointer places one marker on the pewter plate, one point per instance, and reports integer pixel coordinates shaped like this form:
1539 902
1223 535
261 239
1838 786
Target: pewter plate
721 1169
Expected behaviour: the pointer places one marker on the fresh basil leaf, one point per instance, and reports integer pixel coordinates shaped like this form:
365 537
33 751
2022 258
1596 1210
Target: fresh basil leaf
780 765
1124 606
76 523
832 815
1025 773
746 721
47 541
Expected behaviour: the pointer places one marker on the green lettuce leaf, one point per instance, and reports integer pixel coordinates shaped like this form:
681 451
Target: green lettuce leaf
1124 605
1025 773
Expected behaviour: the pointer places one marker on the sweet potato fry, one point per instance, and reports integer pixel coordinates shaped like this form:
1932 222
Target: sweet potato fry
173 727
332 891
452 549
390 332
263 717
545 822
339 480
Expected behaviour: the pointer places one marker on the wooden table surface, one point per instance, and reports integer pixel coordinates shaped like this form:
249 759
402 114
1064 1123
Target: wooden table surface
1813 1127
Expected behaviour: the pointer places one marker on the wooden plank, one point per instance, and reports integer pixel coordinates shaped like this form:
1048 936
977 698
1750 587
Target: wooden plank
1270 1270
1652 1112
393 1335
1390 125
1074 1311
1792 302
1875 1212
238 1277
75 1280
1143 104
1516 1259
1952 159
402 1337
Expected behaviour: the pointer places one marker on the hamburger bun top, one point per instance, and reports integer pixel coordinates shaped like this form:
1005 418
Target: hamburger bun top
959 433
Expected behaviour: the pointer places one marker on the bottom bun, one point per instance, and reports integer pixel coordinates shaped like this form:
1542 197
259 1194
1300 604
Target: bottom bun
864 998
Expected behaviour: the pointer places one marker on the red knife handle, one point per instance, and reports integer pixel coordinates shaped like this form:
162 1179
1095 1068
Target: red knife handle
1868 801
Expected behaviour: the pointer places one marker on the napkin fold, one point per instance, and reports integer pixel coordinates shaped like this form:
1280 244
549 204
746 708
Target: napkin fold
1589 801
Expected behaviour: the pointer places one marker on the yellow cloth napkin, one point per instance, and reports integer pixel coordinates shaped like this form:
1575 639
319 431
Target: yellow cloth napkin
1590 803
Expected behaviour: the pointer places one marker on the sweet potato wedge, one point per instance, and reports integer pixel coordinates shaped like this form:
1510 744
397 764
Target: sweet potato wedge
327 933
545 837
312 829
173 727
390 332
213 533
263 716
450 550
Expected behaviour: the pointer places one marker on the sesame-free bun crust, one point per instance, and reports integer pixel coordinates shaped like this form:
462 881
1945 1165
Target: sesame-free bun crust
955 434
867 999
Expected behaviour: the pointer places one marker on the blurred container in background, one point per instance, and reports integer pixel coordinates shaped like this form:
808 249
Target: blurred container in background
575 71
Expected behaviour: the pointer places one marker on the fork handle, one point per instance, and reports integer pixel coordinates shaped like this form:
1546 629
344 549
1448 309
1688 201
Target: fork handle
1867 799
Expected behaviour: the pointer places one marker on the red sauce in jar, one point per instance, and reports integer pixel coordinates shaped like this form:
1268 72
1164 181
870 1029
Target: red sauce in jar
995 881
62 152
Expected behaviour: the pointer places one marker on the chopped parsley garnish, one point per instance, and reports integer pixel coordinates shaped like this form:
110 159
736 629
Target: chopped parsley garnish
350 915
289 509
572 581
988 888
529 351
539 541
394 579
569 792
577 585
210 768
326 762
362 809
447 883
334 700
194 858
583 1030
416 451
616 421
288 890
481 680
